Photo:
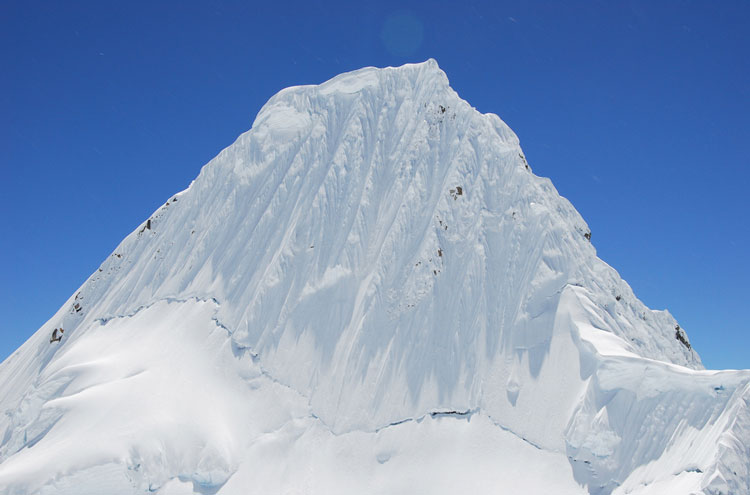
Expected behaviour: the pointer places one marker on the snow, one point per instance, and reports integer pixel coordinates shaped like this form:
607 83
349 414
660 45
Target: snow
368 291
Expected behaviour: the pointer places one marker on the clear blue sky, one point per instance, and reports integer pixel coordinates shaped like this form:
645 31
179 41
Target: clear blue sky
638 111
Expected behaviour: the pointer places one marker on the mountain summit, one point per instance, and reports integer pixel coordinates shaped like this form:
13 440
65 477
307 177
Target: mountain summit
369 291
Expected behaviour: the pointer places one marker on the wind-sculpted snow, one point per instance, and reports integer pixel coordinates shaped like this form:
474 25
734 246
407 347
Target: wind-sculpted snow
374 256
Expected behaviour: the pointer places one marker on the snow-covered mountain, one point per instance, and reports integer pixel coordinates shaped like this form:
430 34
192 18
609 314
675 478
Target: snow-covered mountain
368 292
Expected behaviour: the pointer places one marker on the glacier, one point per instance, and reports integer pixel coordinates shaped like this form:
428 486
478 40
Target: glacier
369 291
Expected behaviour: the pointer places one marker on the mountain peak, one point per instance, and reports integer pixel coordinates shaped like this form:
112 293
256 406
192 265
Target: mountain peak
373 253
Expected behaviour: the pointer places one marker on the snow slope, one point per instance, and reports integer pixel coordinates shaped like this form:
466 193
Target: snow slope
368 291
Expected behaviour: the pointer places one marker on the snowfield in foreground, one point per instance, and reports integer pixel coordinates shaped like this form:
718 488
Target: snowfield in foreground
368 292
